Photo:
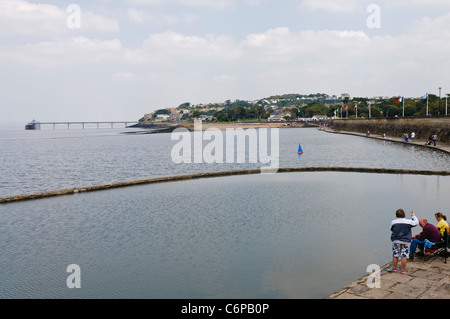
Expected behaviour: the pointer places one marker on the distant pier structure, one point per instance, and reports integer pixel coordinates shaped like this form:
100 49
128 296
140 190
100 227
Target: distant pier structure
35 125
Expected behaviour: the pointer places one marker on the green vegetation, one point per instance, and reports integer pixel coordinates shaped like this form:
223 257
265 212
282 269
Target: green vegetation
294 106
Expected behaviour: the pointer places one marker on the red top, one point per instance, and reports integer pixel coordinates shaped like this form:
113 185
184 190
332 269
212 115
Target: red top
431 233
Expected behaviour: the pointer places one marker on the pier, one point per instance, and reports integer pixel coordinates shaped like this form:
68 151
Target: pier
37 125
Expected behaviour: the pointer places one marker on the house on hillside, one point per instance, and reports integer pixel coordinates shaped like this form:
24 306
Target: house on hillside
162 117
274 117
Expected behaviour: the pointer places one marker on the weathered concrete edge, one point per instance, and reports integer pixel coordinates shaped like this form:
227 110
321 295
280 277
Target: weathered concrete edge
72 191
358 281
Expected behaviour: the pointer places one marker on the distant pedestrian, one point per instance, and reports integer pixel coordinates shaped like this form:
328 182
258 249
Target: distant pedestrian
384 135
405 137
413 136
434 139
401 237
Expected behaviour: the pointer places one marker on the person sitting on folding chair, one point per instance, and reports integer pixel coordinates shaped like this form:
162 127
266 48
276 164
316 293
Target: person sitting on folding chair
442 223
429 232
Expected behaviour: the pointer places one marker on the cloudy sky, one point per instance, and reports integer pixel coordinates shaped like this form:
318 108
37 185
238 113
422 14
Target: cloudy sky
118 59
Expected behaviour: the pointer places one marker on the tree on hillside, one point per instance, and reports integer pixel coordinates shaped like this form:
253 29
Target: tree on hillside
316 109
162 111
433 104
185 105
392 110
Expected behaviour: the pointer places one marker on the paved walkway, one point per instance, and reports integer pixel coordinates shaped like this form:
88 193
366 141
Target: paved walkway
423 280
421 142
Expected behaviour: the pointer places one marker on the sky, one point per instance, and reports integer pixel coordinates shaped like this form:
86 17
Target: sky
115 60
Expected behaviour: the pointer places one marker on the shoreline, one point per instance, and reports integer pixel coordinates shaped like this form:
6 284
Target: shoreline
224 126
168 128
440 146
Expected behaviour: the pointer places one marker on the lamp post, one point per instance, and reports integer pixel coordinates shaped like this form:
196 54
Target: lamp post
439 108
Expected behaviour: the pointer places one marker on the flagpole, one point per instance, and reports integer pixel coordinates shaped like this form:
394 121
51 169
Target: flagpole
427 104
403 99
356 109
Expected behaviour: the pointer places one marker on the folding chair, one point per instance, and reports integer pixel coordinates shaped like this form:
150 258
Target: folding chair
437 250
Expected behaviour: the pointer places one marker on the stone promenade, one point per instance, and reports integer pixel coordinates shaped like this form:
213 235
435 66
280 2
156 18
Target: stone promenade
445 147
423 280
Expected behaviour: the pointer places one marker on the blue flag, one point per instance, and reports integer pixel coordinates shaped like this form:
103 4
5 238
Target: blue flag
425 96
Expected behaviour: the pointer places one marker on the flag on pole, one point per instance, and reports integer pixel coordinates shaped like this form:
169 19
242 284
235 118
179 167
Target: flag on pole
346 108
400 100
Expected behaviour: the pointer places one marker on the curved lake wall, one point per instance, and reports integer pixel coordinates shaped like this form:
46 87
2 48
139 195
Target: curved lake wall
423 127
71 191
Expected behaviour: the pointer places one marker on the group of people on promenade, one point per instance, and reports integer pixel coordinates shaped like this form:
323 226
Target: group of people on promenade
404 244
408 138
431 139
412 137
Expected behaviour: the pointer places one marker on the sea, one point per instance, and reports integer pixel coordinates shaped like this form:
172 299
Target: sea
276 236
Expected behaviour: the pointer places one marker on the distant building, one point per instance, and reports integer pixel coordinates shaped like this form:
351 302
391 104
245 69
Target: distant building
162 117
172 110
275 118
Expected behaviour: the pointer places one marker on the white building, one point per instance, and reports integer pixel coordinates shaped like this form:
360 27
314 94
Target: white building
162 117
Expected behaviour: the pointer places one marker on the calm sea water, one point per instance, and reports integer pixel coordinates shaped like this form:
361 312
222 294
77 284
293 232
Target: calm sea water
290 235
35 161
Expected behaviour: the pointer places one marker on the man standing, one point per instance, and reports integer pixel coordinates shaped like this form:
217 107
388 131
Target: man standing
401 239
429 232
434 139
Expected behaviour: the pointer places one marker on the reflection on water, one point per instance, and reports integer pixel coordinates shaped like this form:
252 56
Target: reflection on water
289 235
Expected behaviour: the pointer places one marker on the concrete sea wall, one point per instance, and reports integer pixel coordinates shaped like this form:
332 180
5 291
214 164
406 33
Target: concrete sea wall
78 190
396 127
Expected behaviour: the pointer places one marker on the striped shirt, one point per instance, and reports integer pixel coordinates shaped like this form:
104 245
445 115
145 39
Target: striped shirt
401 229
